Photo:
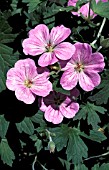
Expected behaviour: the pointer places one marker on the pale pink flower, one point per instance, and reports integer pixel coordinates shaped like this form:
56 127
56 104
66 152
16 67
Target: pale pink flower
50 45
28 81
83 67
57 106
84 10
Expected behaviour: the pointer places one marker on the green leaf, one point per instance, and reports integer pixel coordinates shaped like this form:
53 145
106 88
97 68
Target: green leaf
70 138
76 148
104 166
49 15
65 163
32 4
89 111
105 43
100 8
7 155
80 167
102 95
5 31
3 126
97 136
7 60
38 118
38 145
26 126
14 5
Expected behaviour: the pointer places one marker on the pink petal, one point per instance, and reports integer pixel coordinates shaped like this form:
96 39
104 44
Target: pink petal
41 87
46 59
43 107
31 47
64 51
88 80
40 34
53 116
69 79
14 79
69 111
24 94
96 63
59 34
27 68
83 53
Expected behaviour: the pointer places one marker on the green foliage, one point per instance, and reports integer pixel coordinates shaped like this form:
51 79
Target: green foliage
7 155
3 126
97 136
100 8
38 118
26 126
65 163
70 138
32 4
38 145
49 15
89 111
104 166
80 167
7 58
15 9
6 35
102 95
104 42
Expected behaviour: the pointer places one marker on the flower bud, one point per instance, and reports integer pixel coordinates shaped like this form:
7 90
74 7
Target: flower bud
51 146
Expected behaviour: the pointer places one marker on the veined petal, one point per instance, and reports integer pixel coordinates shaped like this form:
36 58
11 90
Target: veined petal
40 34
31 47
27 68
59 34
14 79
42 88
47 58
69 79
83 53
88 80
96 63
53 116
24 94
69 111
64 51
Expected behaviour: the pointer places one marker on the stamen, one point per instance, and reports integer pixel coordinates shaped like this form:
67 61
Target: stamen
28 83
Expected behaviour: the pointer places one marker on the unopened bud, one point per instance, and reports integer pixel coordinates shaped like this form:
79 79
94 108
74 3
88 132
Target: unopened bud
51 146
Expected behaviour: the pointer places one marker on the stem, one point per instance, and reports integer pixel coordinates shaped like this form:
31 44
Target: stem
104 154
35 160
99 33
89 10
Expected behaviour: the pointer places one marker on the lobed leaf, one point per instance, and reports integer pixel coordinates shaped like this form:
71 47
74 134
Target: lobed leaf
7 155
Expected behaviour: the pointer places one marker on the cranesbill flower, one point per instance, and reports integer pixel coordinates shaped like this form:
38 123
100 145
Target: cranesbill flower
50 45
57 106
28 81
83 67
84 9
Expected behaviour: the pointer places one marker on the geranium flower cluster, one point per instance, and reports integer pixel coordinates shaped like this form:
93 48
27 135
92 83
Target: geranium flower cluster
77 62
84 9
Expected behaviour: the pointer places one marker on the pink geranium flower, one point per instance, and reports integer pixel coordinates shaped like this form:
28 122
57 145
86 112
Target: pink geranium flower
50 45
84 10
57 106
83 67
28 81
